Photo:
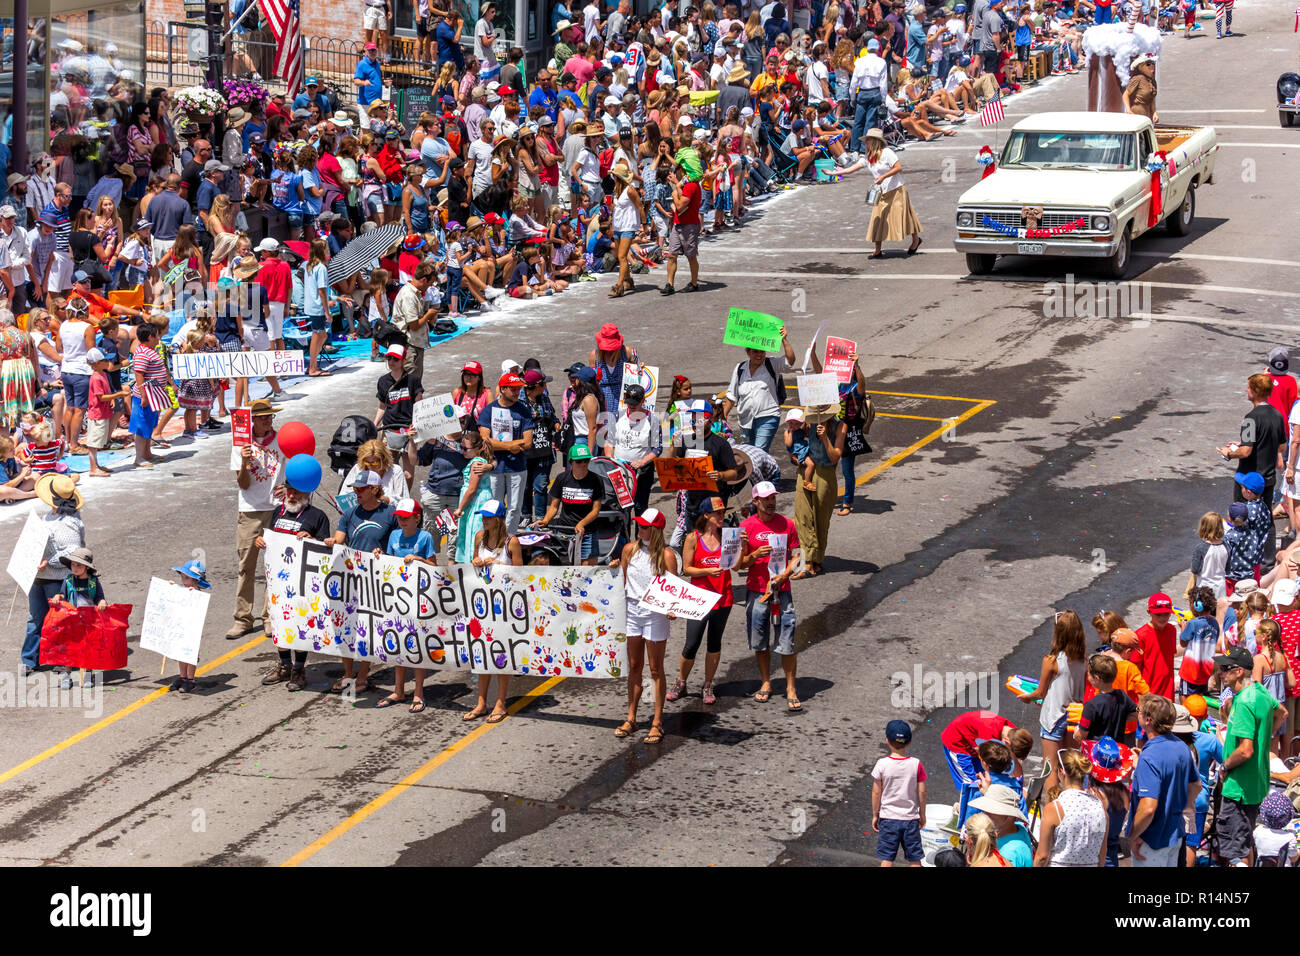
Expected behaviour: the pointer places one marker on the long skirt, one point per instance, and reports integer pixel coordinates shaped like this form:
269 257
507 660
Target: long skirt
893 218
18 388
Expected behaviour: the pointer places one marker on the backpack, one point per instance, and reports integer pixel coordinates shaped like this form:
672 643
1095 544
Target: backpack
780 382
353 432
606 162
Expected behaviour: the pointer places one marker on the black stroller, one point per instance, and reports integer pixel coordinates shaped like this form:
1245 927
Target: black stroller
353 432
612 528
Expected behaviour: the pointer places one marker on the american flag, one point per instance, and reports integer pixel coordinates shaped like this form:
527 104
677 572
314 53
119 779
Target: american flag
991 113
283 18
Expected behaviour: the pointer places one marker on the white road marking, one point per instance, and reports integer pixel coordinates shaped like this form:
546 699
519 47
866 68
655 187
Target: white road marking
1262 145
1205 320
931 251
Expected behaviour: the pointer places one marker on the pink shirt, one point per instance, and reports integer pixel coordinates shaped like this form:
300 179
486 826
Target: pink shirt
99 387
899 795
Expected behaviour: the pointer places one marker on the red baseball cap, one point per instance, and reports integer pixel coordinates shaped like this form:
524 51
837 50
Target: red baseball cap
510 380
407 508
472 367
1160 604
505 91
651 518
493 218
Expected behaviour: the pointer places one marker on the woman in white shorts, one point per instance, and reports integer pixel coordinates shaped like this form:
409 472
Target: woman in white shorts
647 631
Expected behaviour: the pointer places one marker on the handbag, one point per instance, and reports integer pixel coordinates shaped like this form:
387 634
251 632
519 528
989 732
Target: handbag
873 195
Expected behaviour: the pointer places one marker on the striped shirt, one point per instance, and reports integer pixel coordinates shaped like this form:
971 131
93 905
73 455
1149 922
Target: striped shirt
153 394
45 458
62 224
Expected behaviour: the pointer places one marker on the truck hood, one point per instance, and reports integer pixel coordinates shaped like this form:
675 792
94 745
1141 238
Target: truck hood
1052 187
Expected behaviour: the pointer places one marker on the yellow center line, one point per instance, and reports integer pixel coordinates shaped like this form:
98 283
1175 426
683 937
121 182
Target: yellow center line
397 789
115 717
915 418
894 459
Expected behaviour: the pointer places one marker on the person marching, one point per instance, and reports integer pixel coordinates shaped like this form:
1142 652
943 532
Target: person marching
192 575
701 555
493 545
642 561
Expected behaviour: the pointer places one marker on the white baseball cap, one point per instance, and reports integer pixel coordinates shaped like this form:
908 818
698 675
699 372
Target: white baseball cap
1285 591
764 489
396 351
406 507
508 365
268 244
794 415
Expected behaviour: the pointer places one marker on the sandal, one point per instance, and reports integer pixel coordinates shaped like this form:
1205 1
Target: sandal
474 714
678 689
386 702
843 510
417 707
655 735
497 716
793 706
709 698
161 443
340 685
763 696
616 291
625 729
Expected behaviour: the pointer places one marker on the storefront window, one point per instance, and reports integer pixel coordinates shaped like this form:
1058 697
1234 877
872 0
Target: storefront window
35 124
405 12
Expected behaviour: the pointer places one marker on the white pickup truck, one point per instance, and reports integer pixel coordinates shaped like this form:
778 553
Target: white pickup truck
1078 184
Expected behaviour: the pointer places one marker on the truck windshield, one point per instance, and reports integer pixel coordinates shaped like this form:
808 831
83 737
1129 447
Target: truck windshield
1053 149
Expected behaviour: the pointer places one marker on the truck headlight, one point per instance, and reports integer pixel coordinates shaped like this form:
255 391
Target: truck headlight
965 219
1101 223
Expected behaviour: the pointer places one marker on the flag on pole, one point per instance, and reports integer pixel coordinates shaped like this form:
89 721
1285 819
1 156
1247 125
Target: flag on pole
991 113
286 25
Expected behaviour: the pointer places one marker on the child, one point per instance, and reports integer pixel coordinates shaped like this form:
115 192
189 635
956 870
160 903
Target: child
1189 17
898 798
456 254
19 484
99 417
1198 639
195 394
1273 670
81 588
1024 26
796 442
377 307
1000 767
1210 557
1106 714
1252 523
194 576
137 254
1274 839
42 450
1254 609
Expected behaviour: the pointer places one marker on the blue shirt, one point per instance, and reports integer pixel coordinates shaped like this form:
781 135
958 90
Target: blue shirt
302 101
317 279
546 99
915 42
369 71
1023 36
1015 846
1164 771
367 530
1208 752
420 544
521 420
448 48
208 191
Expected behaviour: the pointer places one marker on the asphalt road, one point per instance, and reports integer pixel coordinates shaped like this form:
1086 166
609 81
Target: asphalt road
1079 486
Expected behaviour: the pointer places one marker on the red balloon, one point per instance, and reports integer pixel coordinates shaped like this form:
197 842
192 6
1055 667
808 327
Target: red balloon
295 438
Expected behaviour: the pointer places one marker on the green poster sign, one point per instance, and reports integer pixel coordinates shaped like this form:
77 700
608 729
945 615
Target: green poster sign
753 330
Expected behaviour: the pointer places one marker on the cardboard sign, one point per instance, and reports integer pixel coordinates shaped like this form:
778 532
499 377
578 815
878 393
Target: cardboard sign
28 552
617 479
732 541
669 594
685 474
837 360
173 620
236 364
241 429
823 389
552 621
776 561
753 330
436 416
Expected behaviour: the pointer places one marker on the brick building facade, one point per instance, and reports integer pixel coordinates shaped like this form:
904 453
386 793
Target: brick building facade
326 18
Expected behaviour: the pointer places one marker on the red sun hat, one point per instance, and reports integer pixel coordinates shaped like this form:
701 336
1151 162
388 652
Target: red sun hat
510 380
474 367
609 338
651 518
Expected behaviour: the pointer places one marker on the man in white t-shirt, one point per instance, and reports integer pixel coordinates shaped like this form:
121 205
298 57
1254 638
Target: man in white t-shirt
591 21
484 37
259 469
479 158
817 76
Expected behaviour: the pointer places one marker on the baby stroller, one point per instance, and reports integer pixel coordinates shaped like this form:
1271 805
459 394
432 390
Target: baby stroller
353 432
613 527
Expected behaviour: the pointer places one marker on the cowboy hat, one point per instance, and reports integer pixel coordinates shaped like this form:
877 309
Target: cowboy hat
1111 760
561 27
655 100
247 268
816 414
620 172
54 486
738 73
263 406
81 556
224 245
236 118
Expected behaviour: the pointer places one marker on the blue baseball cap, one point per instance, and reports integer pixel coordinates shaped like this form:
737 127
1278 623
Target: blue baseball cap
702 405
873 45
898 732
584 372
799 125
196 570
311 81
1252 481
1238 510
493 509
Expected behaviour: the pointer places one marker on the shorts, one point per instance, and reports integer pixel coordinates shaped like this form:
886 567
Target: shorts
1187 690
519 292
256 338
422 28
893 832
97 432
143 420
374 19
317 322
1022 52
1235 826
1189 17
373 204
275 321
758 623
590 547
684 241
988 54
648 625
76 390
1057 731
625 234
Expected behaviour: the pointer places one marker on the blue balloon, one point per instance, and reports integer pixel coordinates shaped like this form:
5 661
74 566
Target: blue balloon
303 473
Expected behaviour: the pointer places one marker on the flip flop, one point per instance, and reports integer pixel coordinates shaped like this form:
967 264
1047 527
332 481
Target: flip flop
763 696
496 718
793 706
473 716
417 707
387 702
319 374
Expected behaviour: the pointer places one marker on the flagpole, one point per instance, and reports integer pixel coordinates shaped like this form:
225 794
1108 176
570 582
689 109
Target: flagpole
249 8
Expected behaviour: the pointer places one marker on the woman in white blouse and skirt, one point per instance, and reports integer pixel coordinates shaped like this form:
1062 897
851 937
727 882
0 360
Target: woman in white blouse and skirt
892 216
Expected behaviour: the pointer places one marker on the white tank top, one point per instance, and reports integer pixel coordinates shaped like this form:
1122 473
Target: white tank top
1077 839
626 216
72 336
640 572
1066 687
501 555
580 425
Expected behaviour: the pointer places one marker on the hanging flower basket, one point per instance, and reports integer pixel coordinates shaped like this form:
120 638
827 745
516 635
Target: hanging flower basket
245 94
199 103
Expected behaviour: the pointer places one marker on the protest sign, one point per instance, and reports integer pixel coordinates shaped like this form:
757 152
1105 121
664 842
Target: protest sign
241 426
776 561
820 389
87 637
753 330
235 364
685 474
436 416
345 502
503 424
173 620
807 355
669 594
621 490
837 358
647 376
28 552
731 546
552 621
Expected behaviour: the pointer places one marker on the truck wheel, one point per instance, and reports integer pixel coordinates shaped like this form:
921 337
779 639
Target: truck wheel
1285 118
1180 222
980 263
1118 264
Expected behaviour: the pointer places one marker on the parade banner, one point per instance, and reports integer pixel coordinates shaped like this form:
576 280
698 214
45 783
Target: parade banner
821 389
173 620
28 552
669 594
236 364
436 416
685 474
753 330
837 358
536 621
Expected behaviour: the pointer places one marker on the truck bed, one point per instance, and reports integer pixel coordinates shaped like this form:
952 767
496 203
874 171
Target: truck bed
1170 138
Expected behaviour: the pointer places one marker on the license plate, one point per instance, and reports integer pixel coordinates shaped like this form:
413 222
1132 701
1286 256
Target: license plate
1030 248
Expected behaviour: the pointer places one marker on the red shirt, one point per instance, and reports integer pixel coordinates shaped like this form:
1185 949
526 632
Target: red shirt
97 304
392 164
756 531
964 734
100 409
720 581
331 173
274 276
1155 657
691 217
1283 395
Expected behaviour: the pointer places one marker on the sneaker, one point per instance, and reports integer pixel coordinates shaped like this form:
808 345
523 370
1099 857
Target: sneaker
677 690
88 680
277 675
65 682
187 686
182 686
298 679
487 307
491 292
667 290
691 287
177 685
212 425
